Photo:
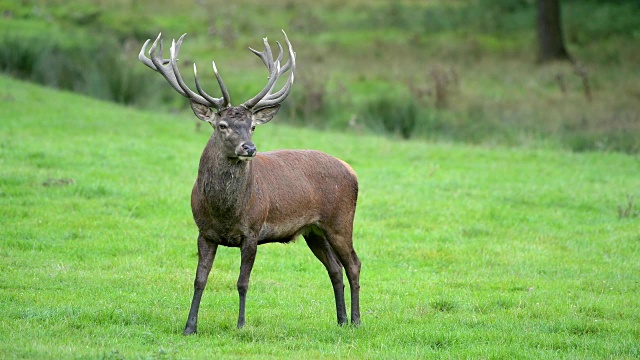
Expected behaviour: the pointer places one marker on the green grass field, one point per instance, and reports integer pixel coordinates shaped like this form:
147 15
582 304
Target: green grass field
467 252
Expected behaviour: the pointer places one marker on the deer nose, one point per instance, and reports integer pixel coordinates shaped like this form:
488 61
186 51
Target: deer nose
248 148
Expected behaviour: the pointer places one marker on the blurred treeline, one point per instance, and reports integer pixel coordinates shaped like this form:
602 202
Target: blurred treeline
438 70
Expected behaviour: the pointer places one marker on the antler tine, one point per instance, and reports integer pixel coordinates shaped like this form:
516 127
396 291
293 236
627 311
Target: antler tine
280 53
267 48
287 65
175 49
145 60
265 98
266 56
222 102
277 97
281 70
158 64
274 68
223 88
168 68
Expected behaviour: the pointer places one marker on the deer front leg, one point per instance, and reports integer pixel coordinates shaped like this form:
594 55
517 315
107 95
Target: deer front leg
206 255
247 258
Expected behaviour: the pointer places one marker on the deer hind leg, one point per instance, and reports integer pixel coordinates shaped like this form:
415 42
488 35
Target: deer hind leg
206 255
322 250
342 245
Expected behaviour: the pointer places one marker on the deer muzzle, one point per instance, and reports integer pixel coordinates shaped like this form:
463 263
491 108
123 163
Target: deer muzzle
246 151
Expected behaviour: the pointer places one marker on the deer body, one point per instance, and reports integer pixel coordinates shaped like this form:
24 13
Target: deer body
244 199
273 198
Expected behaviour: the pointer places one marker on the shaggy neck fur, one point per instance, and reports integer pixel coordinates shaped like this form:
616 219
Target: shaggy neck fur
223 181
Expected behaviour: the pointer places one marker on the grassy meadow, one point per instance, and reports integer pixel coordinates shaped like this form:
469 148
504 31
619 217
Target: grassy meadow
467 252
499 207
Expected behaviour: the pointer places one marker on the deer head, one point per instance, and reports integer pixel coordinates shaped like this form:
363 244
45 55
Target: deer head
234 125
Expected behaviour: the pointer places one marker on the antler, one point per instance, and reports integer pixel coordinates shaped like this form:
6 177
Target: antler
265 98
169 70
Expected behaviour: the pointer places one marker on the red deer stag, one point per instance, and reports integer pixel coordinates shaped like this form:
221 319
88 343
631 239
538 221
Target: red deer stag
244 199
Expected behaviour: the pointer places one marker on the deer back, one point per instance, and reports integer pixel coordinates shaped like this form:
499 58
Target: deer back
293 189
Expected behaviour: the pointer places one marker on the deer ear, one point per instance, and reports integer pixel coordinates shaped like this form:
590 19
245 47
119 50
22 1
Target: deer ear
203 112
265 115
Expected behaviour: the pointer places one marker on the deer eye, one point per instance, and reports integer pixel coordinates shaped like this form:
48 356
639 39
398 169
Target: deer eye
223 126
253 128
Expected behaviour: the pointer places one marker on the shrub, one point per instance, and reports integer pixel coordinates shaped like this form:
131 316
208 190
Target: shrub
392 114
92 65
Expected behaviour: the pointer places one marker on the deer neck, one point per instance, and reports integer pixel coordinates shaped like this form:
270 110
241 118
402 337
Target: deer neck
223 181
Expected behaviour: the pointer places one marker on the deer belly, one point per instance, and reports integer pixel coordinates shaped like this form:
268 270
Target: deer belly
284 232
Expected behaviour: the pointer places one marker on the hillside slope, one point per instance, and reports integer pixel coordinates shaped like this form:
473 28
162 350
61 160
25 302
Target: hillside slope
462 71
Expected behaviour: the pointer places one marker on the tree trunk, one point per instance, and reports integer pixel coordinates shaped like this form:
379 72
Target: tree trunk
550 39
